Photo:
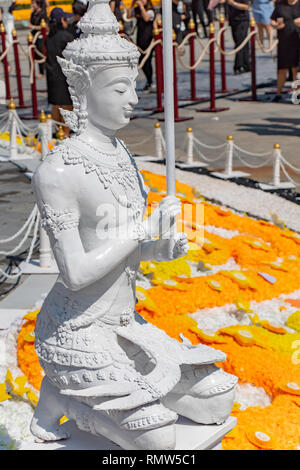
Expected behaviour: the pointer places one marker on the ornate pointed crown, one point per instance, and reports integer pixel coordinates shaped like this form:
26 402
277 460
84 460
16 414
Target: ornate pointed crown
100 41
99 45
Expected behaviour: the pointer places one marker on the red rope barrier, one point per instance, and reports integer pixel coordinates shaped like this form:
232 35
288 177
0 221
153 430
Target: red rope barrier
223 60
159 71
192 28
177 118
44 34
35 113
5 63
18 69
212 108
253 96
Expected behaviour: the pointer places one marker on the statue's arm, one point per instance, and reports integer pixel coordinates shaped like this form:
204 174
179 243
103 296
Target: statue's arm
60 217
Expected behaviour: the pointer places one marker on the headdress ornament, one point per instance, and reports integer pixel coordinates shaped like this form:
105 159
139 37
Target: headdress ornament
99 45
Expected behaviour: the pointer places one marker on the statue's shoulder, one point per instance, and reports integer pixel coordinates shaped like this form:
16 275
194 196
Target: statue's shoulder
52 172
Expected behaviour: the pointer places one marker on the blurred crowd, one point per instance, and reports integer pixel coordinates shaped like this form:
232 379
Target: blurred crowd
272 17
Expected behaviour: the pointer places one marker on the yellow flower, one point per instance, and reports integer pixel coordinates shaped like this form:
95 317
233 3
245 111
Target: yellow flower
170 284
293 321
16 386
32 315
290 387
240 278
261 439
63 420
257 245
267 325
30 337
243 305
3 394
144 299
32 397
167 269
207 337
210 246
214 285
277 265
273 328
244 338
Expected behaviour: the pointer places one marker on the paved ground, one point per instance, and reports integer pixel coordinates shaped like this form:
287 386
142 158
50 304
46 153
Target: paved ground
256 127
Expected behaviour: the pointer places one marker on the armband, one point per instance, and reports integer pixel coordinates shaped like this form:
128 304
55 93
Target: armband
54 222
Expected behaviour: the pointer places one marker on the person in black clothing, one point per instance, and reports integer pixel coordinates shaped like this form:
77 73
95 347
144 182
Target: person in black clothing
58 37
286 19
38 12
181 17
115 6
144 12
238 15
199 7
79 9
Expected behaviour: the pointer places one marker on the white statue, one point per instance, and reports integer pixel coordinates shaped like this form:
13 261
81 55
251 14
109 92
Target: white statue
8 19
106 368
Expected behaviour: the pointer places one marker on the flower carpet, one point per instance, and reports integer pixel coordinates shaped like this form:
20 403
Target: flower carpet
237 290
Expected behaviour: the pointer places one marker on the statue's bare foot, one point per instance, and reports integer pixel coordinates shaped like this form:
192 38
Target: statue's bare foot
205 394
51 407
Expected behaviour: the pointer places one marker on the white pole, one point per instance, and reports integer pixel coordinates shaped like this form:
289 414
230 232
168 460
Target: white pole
168 95
229 156
158 142
169 107
190 146
13 151
276 165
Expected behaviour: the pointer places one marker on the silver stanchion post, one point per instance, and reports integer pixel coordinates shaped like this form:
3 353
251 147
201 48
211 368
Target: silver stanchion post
190 145
229 156
13 151
228 172
43 134
190 163
158 141
276 183
276 165
159 147
49 126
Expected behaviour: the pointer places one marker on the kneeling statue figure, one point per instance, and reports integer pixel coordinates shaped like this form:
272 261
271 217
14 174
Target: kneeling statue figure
105 367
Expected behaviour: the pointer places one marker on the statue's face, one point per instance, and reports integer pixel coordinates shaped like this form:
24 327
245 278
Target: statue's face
112 97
